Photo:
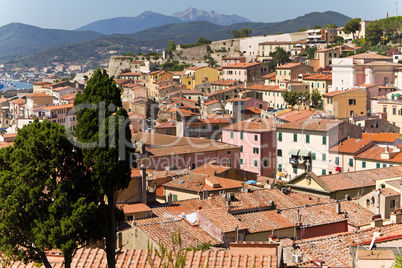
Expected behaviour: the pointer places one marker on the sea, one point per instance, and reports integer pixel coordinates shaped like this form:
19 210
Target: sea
22 85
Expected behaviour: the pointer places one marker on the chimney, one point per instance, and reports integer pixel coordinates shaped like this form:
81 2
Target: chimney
298 216
338 207
395 217
170 199
377 221
144 185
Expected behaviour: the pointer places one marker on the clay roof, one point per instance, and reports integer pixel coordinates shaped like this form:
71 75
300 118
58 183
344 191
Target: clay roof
253 110
244 202
269 76
382 63
19 101
264 221
167 124
199 182
253 125
211 102
369 55
134 208
166 145
339 92
295 115
223 220
57 107
190 235
96 257
223 82
350 146
374 153
313 124
318 77
381 137
130 74
210 169
62 88
388 192
184 91
214 115
240 65
289 65
358 179
334 249
39 95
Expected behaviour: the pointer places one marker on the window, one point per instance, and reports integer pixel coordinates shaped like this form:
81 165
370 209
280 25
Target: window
231 134
323 172
384 109
241 161
294 170
241 149
241 135
265 163
255 163
351 162
392 203
324 140
352 102
364 164
324 157
394 111
378 165
307 138
279 152
384 165
336 160
256 137
255 150
313 156
175 197
279 167
280 136
295 137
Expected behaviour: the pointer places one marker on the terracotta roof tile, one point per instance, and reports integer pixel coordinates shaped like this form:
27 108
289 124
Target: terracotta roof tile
134 208
223 220
253 125
314 124
351 146
240 65
199 182
381 137
339 92
375 153
295 115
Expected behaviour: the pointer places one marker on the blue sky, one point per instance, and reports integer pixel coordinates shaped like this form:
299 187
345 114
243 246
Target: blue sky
72 14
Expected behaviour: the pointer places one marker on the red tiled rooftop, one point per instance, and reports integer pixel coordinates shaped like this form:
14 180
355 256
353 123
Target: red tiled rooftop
253 125
339 92
134 208
295 115
375 153
289 65
351 145
381 137
240 65
313 124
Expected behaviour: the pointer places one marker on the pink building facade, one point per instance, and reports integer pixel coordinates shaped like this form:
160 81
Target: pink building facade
232 60
244 71
257 137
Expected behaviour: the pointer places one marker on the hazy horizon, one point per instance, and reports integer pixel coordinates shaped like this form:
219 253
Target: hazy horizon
70 15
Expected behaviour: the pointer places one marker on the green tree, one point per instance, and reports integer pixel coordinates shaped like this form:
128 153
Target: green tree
210 61
398 262
41 196
331 25
235 34
317 27
281 56
373 33
291 97
171 46
352 26
245 32
315 98
102 130
339 39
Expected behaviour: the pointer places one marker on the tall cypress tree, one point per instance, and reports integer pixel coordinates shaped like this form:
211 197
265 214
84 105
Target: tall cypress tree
103 134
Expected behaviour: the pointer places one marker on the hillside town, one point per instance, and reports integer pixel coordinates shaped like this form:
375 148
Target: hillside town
263 151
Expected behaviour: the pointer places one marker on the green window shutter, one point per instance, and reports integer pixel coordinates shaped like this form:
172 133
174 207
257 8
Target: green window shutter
295 137
324 140
280 136
363 164
231 134
351 162
241 135
294 170
378 165
313 156
241 161
175 197
324 157
255 163
279 167
307 138
384 165
337 160
323 172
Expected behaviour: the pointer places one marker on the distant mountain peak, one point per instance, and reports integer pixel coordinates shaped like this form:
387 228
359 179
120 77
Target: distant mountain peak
193 14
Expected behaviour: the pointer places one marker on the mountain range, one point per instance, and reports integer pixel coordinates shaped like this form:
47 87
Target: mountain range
149 19
28 45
